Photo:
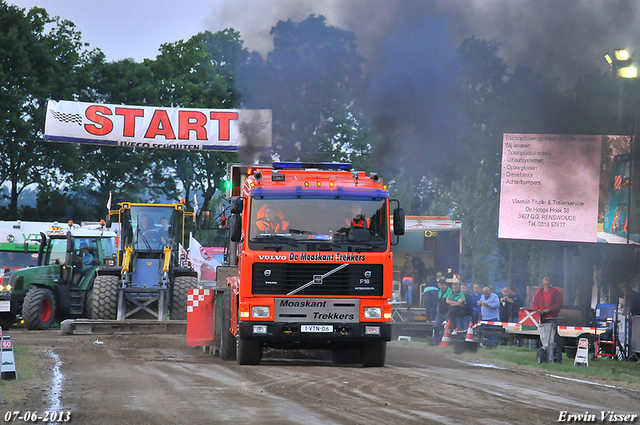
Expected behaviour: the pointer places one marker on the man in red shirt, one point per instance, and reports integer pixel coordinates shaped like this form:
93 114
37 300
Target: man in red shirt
548 301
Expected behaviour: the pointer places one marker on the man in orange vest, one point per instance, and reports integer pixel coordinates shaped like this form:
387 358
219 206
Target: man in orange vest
272 222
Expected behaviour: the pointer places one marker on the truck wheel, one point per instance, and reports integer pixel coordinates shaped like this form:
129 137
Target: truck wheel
345 355
181 286
38 309
227 340
374 353
105 298
248 351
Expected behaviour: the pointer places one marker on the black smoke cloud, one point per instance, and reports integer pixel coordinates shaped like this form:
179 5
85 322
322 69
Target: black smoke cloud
406 44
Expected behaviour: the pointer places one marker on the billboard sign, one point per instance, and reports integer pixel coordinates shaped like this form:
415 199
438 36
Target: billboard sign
564 187
157 127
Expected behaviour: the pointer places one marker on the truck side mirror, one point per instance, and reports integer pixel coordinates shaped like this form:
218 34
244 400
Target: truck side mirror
237 205
398 221
235 227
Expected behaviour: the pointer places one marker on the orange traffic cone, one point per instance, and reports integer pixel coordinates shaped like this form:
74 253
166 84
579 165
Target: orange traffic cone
469 336
446 338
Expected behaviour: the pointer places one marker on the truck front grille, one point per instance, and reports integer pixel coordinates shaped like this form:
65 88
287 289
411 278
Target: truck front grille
283 278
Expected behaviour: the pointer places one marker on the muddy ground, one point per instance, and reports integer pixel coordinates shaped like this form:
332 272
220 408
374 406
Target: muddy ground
157 379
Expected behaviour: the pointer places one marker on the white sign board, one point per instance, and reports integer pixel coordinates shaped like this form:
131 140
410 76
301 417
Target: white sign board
550 187
157 127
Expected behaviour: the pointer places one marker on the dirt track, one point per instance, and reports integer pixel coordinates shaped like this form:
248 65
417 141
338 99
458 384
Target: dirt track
157 379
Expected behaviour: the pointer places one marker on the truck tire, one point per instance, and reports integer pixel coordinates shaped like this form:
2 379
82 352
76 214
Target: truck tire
248 351
342 356
181 286
105 298
39 308
373 354
227 340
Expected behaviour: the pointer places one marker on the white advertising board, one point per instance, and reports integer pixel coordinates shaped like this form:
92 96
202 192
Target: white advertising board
157 127
550 187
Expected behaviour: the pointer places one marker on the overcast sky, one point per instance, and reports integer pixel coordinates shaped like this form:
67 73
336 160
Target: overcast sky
559 38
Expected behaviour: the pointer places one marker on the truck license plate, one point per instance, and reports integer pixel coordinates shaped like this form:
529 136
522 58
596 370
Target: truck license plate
317 328
5 305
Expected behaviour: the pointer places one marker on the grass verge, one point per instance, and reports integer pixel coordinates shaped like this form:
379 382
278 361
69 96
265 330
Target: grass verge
602 370
31 366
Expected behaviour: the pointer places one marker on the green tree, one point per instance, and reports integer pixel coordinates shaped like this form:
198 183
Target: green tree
39 55
310 81
199 73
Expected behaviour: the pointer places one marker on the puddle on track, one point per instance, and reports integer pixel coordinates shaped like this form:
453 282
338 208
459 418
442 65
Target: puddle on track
56 384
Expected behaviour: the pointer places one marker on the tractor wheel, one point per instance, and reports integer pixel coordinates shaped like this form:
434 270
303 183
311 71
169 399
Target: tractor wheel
39 308
88 304
181 286
105 298
373 354
227 340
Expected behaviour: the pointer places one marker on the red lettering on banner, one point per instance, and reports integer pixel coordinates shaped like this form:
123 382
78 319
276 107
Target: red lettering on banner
223 119
192 120
103 125
129 120
160 126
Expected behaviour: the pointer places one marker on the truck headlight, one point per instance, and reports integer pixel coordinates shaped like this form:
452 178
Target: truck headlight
8 288
260 311
372 313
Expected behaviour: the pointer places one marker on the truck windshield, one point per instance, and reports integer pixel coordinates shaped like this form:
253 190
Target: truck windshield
13 260
318 223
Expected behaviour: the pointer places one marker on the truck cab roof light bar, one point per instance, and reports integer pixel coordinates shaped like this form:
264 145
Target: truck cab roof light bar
315 165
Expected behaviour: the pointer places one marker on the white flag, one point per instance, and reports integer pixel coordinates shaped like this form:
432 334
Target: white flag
109 202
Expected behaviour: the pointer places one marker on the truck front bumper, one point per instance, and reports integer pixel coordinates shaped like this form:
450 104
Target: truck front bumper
294 334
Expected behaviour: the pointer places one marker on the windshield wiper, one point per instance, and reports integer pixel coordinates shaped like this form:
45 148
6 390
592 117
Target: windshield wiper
275 238
357 246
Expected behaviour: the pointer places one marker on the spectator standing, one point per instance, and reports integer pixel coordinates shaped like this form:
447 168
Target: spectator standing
441 312
548 301
489 305
456 300
515 303
631 301
431 299
503 310
475 300
468 306
419 275
406 279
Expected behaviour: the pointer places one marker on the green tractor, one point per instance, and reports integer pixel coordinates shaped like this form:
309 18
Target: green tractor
61 285
151 278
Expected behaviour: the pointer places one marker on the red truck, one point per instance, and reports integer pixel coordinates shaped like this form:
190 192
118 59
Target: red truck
309 266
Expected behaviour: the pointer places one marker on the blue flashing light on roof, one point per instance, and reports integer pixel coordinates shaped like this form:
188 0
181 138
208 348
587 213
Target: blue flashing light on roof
315 165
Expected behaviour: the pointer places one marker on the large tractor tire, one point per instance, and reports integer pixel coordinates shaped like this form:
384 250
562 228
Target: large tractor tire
88 304
105 298
181 286
373 354
38 309
227 340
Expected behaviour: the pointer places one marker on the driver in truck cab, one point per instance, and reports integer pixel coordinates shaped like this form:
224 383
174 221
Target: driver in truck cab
271 220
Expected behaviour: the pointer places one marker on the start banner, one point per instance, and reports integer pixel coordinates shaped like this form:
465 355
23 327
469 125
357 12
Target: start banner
157 127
